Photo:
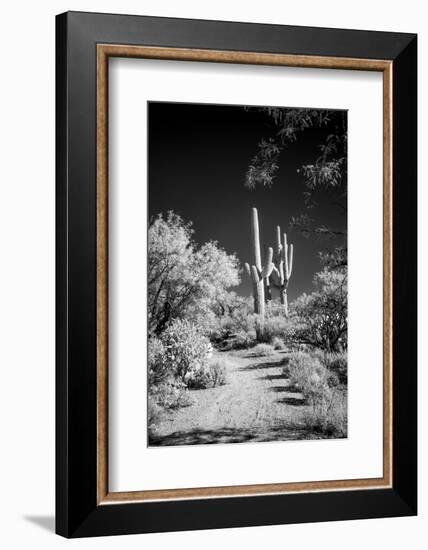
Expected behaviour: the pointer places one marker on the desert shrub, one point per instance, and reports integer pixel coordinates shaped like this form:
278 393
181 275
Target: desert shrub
332 380
237 319
168 395
316 353
210 376
302 367
166 391
154 411
172 394
223 317
329 416
321 317
244 339
275 327
158 368
320 387
205 319
217 371
308 374
186 350
278 343
263 350
240 340
337 363
275 324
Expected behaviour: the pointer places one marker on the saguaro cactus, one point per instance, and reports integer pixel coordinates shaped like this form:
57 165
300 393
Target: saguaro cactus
259 274
283 267
275 272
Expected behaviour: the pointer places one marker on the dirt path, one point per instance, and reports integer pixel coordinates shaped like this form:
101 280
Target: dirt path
256 404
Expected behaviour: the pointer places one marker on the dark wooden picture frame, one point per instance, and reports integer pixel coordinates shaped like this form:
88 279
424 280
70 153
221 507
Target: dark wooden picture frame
84 505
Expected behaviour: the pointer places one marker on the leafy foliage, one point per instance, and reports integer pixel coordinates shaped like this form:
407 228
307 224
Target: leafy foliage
276 324
329 417
278 343
214 374
328 414
233 323
187 351
263 350
328 169
308 374
170 395
337 363
181 276
240 340
158 368
321 317
335 259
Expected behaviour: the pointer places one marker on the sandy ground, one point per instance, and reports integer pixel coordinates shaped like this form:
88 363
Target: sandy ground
256 404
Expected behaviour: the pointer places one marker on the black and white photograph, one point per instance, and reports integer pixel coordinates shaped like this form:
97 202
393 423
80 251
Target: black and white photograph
247 274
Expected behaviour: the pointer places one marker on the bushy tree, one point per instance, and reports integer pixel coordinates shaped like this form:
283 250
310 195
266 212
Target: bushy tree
181 275
287 125
321 317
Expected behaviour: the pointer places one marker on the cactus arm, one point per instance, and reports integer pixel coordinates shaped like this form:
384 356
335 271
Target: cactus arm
256 239
281 271
285 255
268 267
247 269
290 263
278 241
269 270
255 274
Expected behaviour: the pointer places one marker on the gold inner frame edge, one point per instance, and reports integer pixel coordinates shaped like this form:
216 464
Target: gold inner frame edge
104 52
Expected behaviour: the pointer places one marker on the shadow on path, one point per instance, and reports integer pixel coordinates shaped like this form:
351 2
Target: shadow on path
283 389
292 401
262 365
230 435
271 377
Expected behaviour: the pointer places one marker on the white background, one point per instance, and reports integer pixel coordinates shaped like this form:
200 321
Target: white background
133 82
27 274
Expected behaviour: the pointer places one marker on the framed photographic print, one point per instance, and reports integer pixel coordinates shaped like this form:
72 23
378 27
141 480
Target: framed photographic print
236 274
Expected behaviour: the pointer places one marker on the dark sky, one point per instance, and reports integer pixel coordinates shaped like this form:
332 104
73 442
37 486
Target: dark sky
198 157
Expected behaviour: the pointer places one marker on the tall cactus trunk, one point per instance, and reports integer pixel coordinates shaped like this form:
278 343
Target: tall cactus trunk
256 239
259 294
284 300
287 268
268 290
257 273
266 280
